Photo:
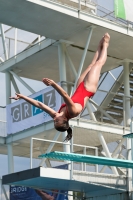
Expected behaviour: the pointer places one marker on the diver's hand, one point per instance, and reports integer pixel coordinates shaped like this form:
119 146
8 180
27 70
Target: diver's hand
48 82
18 96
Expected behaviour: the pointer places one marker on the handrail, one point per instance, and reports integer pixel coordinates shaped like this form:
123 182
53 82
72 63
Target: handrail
80 3
64 143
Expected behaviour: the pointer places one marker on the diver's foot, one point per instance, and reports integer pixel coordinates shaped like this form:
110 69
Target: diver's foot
106 39
101 43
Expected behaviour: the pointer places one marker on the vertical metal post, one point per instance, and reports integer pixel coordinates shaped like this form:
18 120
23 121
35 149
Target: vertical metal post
127 120
82 167
10 158
8 87
79 8
50 147
4 42
96 154
127 93
131 128
130 157
8 101
82 164
71 174
0 188
71 92
84 55
62 72
101 117
31 152
85 163
15 42
70 193
62 65
124 115
9 48
72 143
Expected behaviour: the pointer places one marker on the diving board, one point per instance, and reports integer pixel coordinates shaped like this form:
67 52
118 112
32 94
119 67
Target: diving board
129 135
88 159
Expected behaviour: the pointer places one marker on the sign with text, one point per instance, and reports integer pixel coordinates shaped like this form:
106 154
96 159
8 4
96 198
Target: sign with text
26 193
22 115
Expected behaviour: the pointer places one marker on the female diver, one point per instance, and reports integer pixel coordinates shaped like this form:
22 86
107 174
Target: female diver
86 88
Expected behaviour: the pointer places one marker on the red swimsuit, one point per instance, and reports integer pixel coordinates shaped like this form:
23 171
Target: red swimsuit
78 97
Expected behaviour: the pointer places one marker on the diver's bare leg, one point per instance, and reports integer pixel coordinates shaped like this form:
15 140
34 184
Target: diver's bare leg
95 58
92 77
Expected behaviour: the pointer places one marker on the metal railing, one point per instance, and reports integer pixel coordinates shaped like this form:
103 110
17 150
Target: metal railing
9 41
92 7
83 166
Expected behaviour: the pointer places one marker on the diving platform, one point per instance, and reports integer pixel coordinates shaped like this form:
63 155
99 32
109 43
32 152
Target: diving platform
129 135
51 178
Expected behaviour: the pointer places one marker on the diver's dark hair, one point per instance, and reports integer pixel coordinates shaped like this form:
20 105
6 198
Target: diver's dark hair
69 134
67 128
63 127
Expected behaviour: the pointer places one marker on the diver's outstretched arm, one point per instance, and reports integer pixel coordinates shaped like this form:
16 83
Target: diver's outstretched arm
36 103
59 89
62 92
